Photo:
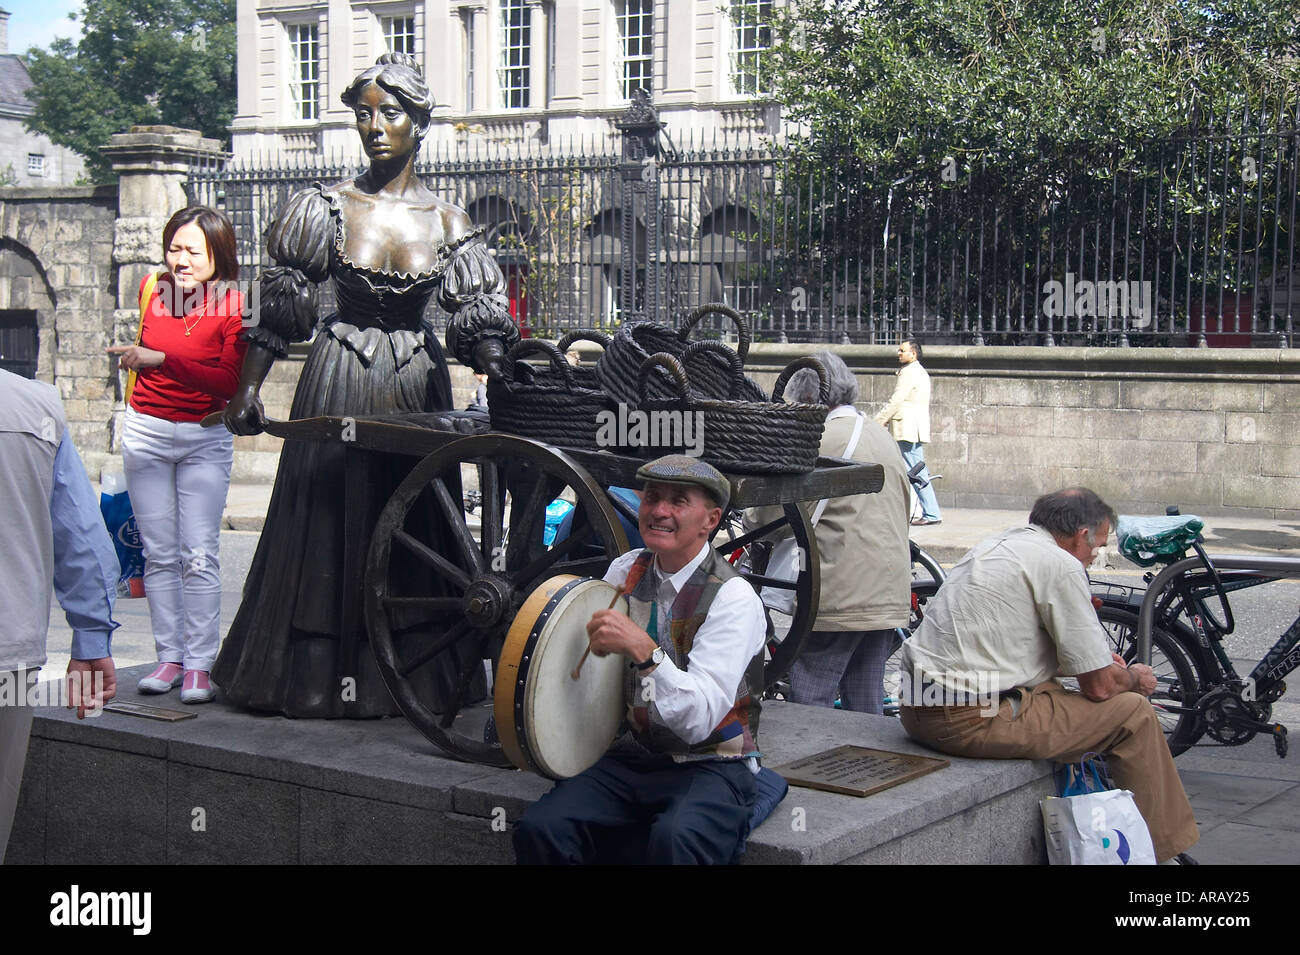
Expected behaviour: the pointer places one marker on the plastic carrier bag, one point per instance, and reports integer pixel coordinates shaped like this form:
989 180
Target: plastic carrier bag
1151 540
1090 824
119 518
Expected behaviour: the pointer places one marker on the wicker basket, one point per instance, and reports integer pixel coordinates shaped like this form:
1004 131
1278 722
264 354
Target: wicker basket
584 376
749 436
634 342
548 405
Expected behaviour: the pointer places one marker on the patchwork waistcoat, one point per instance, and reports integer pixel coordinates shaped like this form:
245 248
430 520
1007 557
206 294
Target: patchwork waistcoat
734 736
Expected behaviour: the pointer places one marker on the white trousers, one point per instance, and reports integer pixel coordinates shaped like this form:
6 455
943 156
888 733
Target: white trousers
177 474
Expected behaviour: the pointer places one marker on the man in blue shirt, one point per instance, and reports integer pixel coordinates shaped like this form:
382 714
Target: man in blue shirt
52 540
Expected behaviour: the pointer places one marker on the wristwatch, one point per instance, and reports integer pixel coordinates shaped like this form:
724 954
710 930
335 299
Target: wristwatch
655 659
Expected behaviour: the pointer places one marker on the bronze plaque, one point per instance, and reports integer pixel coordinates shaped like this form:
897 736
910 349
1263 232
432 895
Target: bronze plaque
147 711
857 771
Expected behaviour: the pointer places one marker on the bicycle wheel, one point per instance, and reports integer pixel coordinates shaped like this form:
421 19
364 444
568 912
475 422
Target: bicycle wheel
1177 686
924 567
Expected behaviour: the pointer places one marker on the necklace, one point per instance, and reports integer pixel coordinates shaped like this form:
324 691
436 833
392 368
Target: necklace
188 325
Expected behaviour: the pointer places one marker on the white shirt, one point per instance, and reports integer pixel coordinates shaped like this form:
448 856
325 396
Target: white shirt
1015 610
693 702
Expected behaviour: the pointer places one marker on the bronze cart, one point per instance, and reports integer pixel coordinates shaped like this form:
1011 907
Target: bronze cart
470 596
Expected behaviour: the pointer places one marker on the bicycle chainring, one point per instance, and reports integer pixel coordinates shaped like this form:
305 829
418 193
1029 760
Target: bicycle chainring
1223 710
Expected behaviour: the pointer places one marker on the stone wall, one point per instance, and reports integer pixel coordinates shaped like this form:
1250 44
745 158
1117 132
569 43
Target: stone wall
1213 430
56 257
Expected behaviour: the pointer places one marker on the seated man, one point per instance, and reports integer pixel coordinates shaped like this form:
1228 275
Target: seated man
679 786
1015 612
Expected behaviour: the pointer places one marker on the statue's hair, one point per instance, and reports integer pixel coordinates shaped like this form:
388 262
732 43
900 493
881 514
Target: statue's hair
399 74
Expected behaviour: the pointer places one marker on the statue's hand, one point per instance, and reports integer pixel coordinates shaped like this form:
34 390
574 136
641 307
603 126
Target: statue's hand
244 414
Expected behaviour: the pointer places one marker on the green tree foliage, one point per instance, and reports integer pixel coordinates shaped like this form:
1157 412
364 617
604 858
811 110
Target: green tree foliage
904 84
138 62
1010 140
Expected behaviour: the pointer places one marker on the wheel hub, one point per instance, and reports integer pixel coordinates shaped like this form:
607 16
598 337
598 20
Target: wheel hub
488 601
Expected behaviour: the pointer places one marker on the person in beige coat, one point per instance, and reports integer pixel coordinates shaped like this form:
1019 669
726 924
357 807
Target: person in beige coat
865 561
907 415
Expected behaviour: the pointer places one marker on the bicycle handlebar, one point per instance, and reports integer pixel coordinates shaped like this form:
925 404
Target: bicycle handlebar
1279 567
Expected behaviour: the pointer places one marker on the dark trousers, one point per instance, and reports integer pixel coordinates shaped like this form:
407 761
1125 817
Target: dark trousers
640 810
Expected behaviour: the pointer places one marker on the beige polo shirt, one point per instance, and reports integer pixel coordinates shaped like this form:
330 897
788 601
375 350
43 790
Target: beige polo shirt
1015 610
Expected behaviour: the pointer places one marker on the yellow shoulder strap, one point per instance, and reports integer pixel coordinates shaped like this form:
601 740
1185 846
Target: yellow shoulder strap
145 295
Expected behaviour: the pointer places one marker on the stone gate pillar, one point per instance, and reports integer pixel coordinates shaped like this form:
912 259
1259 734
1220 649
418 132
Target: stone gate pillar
152 164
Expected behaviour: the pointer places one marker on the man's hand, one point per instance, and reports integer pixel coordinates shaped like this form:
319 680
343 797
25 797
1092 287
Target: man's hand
1117 678
137 357
1146 678
83 695
612 632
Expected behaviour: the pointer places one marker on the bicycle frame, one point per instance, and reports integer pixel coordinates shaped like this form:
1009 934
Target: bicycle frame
1285 653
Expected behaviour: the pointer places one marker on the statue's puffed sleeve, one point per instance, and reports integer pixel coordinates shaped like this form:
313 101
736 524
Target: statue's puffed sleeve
298 240
473 290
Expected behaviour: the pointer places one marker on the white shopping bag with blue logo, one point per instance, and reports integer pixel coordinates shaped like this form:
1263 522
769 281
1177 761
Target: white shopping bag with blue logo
1092 825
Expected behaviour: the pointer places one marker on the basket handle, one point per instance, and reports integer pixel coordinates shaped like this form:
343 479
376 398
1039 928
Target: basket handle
582 334
672 366
528 346
808 361
732 359
743 336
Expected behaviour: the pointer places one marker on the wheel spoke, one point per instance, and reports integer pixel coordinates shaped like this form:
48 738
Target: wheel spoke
552 556
590 567
433 648
524 519
455 514
436 604
436 561
776 583
490 509
758 533
474 662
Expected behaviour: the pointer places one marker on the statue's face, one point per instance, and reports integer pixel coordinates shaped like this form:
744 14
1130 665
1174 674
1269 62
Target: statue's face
386 129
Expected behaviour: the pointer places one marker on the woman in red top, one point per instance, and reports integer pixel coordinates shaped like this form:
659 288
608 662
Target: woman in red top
188 361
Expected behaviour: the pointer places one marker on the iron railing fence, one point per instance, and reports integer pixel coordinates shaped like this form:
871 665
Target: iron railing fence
1177 242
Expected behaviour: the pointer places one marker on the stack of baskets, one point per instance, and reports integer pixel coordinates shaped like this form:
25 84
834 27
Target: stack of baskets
620 366
737 434
660 375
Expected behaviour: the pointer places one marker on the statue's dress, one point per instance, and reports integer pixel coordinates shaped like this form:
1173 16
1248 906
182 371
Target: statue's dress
376 355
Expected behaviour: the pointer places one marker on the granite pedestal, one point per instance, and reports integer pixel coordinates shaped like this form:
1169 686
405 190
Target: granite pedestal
236 787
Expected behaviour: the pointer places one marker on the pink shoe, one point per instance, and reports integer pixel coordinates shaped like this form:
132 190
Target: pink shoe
162 680
197 688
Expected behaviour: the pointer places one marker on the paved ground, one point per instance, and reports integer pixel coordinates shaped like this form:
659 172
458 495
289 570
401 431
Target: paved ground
1247 801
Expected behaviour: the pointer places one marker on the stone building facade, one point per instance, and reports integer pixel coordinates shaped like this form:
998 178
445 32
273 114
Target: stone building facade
513 72
26 158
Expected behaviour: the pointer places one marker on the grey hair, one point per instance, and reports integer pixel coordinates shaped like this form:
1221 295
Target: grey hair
1064 513
804 388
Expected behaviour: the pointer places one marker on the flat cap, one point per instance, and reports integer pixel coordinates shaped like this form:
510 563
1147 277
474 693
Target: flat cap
684 469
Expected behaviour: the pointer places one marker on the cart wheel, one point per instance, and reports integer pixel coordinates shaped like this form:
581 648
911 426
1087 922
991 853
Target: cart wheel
470 595
789 631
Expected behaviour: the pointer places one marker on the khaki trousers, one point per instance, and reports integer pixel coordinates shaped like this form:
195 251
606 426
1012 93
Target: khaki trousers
1055 723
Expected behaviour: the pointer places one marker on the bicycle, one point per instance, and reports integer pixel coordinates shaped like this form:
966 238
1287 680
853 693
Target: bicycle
1199 691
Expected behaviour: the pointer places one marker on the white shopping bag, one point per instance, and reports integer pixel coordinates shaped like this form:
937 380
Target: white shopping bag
1099 828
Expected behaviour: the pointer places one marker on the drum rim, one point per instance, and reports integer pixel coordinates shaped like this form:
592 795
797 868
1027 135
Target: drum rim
511 696
507 705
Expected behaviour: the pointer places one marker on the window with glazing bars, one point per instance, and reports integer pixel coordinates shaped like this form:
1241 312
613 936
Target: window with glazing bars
516 38
636 45
751 40
304 57
399 34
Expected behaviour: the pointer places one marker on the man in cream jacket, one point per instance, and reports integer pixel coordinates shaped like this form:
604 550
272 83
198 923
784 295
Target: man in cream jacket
907 415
